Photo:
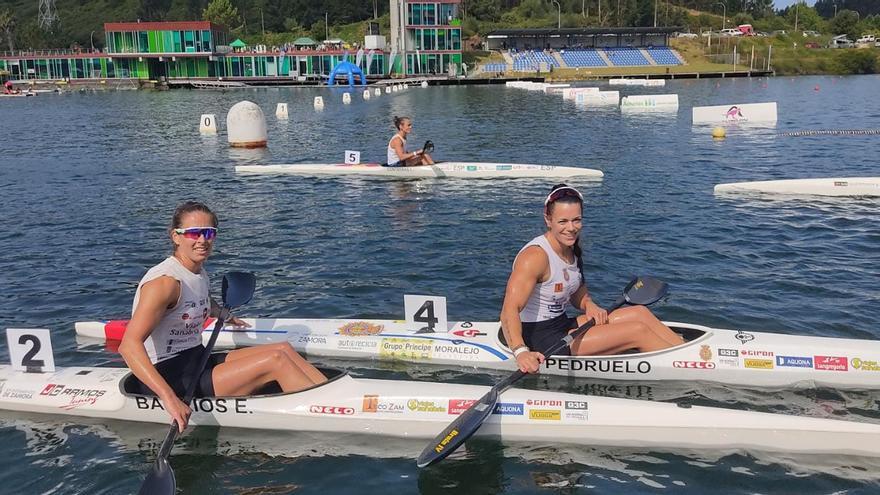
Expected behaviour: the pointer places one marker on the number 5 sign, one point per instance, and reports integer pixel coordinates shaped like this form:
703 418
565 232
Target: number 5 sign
425 313
30 350
352 157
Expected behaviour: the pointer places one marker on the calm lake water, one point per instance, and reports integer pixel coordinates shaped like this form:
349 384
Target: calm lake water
89 180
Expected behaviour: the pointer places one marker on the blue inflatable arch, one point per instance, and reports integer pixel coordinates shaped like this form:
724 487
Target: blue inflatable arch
346 67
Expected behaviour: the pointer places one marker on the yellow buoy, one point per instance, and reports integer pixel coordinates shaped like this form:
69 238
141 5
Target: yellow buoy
719 133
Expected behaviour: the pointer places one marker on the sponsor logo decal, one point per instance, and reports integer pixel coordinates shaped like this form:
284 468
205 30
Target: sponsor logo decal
864 365
360 328
744 337
373 404
728 352
52 390
311 339
599 365
794 361
357 344
466 324
509 408
754 353
576 404
545 414
404 348
370 404
729 362
705 353
760 364
830 363
456 348
344 411
544 402
468 333
443 443
558 287
18 393
694 365
236 406
424 406
458 406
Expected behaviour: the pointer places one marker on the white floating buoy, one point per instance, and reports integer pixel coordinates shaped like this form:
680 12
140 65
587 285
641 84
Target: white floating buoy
377 91
281 111
208 124
395 88
346 98
388 89
246 125
366 94
319 102
424 84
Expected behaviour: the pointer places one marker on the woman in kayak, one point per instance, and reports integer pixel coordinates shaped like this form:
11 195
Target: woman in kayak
547 277
397 154
163 340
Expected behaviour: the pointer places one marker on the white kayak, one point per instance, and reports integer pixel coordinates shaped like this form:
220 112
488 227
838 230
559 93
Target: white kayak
711 355
421 410
833 186
465 170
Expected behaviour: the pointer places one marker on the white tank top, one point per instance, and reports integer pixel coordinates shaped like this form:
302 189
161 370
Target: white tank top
551 298
392 155
181 326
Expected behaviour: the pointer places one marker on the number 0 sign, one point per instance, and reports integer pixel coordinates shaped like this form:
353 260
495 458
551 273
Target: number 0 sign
425 312
30 350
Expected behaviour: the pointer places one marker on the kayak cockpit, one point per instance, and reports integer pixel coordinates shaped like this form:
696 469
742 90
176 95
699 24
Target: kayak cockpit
688 333
128 386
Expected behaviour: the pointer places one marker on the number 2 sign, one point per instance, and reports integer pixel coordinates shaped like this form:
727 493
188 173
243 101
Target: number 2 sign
30 350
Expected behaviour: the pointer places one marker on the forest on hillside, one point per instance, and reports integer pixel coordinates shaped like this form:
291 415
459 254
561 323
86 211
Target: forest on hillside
79 23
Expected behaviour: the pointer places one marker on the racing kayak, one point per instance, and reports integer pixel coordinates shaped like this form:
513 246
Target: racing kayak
465 170
709 354
836 186
421 410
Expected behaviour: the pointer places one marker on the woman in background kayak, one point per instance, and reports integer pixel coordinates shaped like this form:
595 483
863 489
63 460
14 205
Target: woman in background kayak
397 154
163 340
547 277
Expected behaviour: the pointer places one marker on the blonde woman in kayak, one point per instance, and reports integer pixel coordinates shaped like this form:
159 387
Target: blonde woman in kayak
163 341
397 154
547 277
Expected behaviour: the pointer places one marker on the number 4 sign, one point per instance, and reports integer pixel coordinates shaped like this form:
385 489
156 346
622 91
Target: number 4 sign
30 350
425 313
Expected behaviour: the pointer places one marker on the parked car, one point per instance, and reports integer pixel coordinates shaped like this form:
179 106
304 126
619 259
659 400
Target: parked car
685 35
731 32
708 33
780 32
840 41
868 38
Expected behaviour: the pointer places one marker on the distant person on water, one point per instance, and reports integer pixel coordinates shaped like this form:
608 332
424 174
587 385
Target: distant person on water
547 277
163 341
397 154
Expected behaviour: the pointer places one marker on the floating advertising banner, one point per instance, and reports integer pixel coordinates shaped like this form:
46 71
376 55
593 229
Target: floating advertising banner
764 113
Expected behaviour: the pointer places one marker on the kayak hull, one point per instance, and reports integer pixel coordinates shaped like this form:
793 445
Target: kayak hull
421 410
733 357
464 170
835 186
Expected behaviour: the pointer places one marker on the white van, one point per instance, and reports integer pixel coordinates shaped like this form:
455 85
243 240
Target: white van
840 41
866 39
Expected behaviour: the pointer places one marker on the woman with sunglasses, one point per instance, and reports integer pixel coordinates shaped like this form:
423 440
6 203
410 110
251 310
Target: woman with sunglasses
547 277
163 340
397 154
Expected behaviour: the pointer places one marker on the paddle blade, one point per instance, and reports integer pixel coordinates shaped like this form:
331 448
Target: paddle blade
238 288
454 435
160 480
645 290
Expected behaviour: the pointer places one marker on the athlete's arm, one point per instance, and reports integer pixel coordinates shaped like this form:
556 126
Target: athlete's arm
581 299
529 269
397 146
156 297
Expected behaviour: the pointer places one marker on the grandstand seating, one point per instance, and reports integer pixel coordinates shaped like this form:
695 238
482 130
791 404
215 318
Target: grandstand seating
626 56
663 56
582 58
496 67
530 60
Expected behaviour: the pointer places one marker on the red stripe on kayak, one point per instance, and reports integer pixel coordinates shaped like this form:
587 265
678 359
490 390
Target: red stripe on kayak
115 329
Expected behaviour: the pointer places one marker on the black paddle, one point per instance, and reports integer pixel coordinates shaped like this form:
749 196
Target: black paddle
428 147
238 288
640 290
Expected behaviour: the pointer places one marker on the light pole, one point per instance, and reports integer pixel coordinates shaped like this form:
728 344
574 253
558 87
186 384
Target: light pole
724 15
559 18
